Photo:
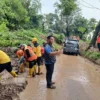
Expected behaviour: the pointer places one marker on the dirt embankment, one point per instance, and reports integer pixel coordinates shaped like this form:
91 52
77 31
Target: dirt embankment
92 54
10 87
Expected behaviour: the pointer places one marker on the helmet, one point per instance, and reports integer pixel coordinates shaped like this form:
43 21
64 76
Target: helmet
22 45
34 40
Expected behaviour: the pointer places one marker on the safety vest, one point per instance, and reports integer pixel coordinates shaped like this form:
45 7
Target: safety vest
32 54
98 39
4 58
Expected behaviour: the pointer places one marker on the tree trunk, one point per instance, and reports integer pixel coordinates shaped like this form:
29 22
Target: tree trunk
67 31
93 41
43 27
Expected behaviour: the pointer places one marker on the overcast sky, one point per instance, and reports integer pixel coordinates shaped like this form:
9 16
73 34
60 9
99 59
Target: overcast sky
48 6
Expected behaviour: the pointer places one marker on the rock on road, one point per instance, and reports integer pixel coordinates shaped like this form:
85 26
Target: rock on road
76 79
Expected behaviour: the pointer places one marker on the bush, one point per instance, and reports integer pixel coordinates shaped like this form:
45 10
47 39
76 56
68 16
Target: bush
24 37
3 27
92 55
95 56
59 38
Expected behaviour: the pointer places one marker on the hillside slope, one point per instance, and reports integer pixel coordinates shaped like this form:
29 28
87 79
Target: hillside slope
15 38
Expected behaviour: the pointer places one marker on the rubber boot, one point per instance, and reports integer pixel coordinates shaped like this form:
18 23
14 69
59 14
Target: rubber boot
0 78
27 64
21 68
33 72
40 70
13 74
34 69
30 73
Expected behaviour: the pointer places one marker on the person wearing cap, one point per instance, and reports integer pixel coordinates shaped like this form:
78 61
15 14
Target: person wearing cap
30 56
5 64
37 51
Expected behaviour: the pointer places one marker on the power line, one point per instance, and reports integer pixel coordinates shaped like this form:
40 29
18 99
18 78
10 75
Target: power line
88 3
92 7
87 6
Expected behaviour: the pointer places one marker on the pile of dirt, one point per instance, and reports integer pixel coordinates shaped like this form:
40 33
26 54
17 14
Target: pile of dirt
10 88
83 46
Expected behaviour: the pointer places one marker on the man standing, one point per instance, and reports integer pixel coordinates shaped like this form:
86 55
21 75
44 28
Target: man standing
37 51
50 59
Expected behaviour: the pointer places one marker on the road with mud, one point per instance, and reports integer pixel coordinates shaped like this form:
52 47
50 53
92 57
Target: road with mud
76 79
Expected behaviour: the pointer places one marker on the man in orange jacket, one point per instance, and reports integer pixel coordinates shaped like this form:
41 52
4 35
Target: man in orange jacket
20 55
30 57
98 41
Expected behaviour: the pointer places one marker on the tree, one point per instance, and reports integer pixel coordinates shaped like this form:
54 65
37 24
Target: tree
93 41
66 7
14 14
33 7
80 26
51 21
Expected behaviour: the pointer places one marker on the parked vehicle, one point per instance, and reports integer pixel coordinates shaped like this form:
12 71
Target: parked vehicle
71 46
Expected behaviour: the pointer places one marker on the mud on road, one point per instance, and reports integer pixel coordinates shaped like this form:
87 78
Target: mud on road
76 79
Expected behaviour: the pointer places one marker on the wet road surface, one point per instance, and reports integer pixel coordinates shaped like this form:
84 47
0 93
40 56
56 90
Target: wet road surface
76 79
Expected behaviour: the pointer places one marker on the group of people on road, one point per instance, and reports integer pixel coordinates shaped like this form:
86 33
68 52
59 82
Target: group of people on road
33 57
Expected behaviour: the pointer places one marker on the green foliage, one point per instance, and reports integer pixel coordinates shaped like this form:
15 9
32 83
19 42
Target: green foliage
81 26
13 13
18 14
33 7
81 29
92 55
59 38
22 37
66 6
95 55
56 46
3 27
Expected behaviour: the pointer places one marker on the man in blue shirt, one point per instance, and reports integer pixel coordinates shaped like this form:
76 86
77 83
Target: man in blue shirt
50 59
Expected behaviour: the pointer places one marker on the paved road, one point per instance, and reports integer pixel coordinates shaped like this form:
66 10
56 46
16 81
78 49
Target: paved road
76 79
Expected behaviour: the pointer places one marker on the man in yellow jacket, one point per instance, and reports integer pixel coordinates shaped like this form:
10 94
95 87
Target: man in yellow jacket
5 63
37 51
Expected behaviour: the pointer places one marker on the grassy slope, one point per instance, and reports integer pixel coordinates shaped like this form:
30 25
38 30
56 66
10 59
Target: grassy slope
22 37
91 54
